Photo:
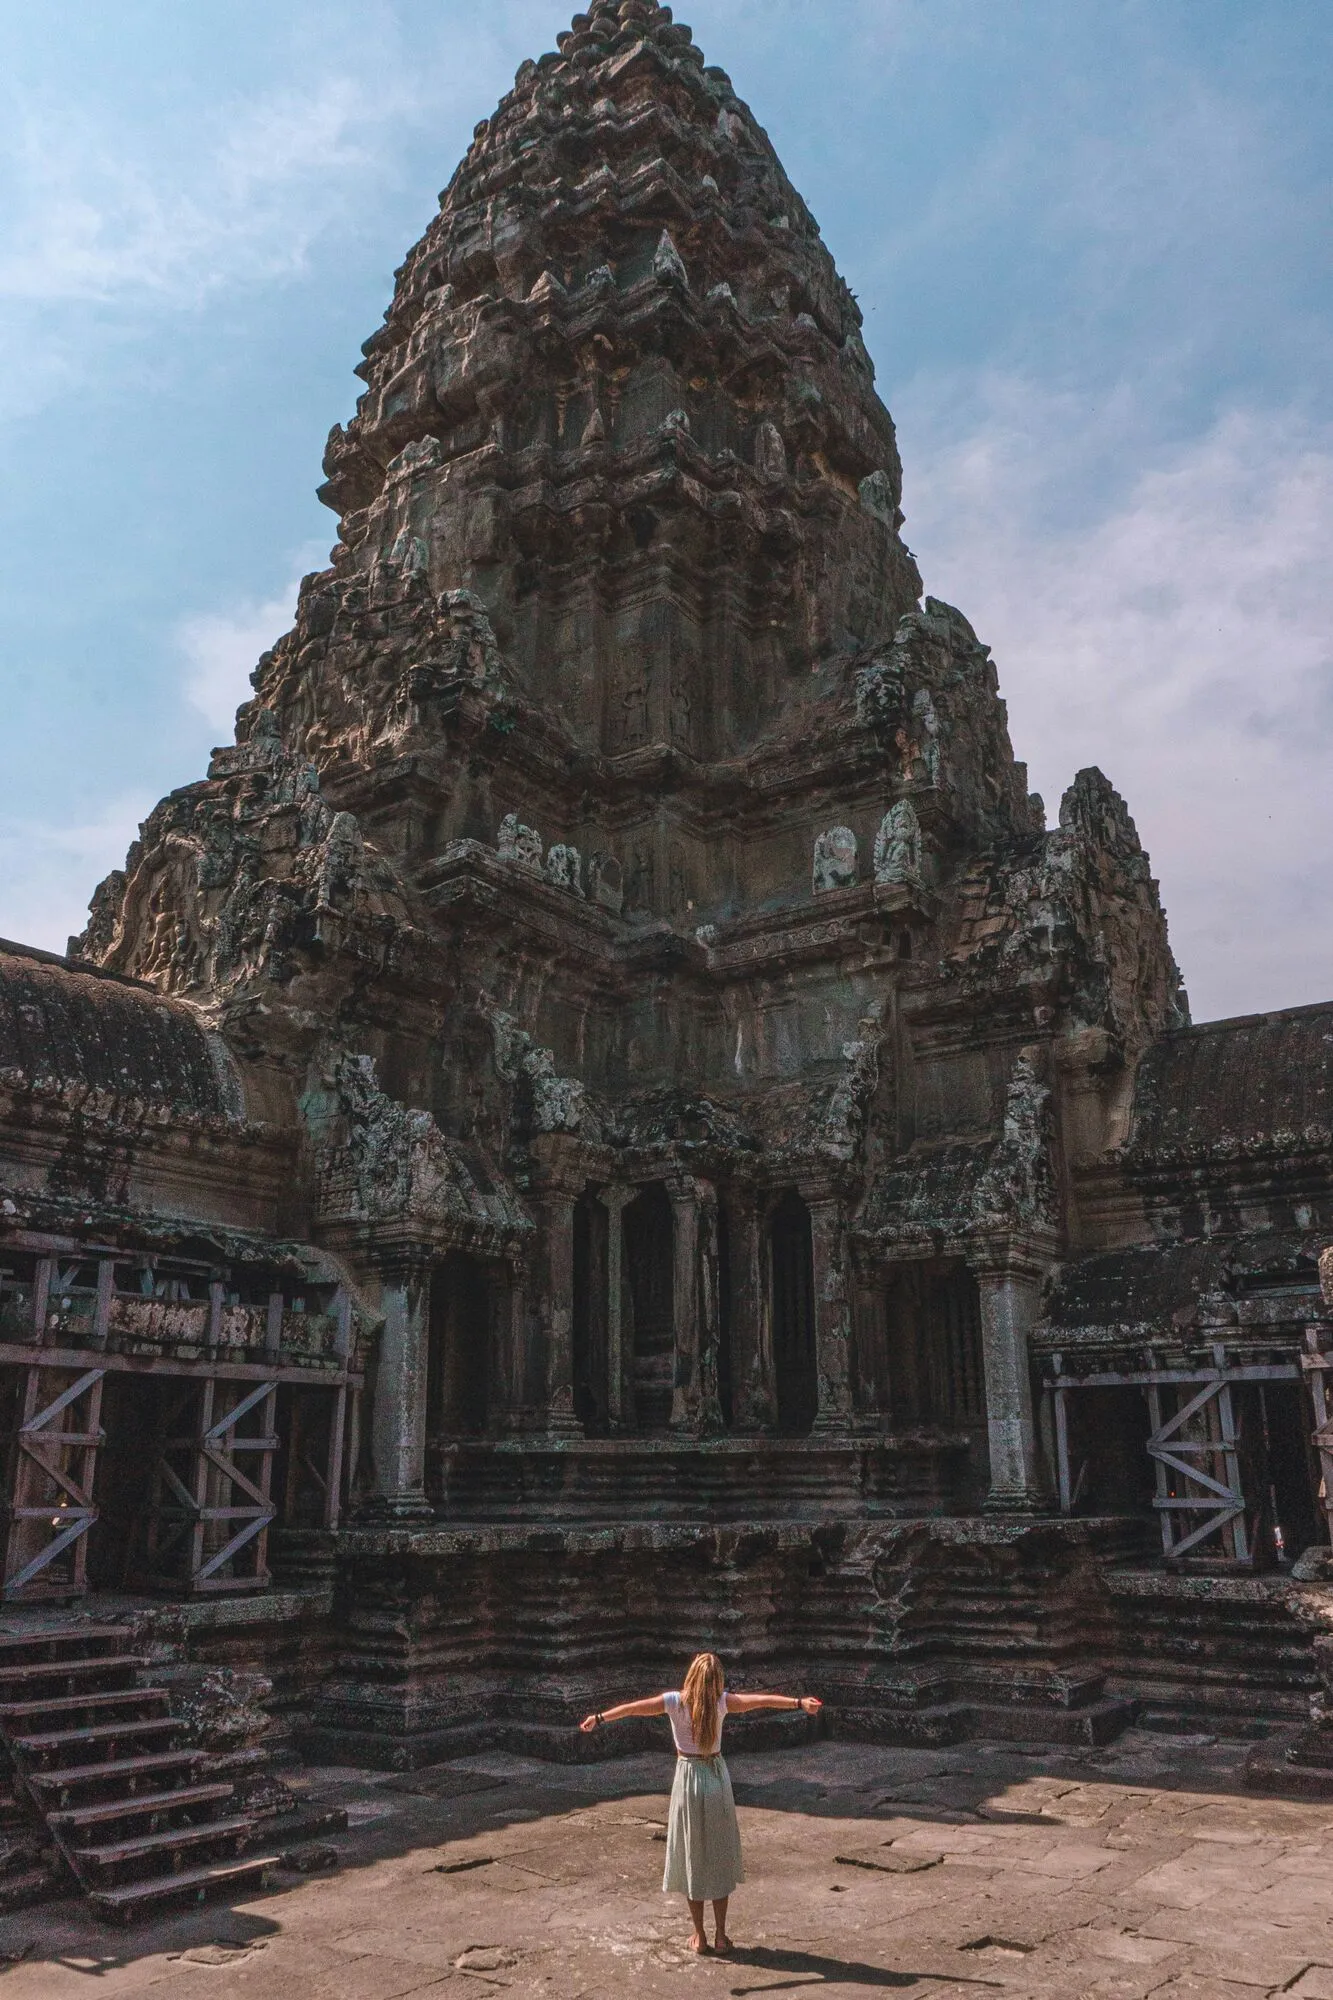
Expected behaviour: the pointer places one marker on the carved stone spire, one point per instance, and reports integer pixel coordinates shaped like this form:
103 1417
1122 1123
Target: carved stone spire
621 395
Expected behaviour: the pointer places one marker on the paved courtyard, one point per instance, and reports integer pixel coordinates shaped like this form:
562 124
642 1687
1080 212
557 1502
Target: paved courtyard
1142 1869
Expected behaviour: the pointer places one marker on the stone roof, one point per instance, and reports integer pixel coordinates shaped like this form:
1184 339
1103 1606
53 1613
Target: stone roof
1260 1083
68 1024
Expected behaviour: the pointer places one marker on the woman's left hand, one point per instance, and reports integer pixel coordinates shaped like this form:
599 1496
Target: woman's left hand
588 1724
811 1704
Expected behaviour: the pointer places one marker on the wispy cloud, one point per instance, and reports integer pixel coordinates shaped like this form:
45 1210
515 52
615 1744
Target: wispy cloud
1181 637
49 867
99 213
219 649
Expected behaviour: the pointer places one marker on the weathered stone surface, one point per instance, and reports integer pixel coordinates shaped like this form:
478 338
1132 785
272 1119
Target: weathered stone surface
617 1022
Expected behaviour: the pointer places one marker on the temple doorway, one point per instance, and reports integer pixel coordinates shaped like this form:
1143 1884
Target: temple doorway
792 1276
464 1300
590 1358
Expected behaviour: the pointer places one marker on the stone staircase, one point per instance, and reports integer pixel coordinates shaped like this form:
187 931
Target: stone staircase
139 1817
1232 1655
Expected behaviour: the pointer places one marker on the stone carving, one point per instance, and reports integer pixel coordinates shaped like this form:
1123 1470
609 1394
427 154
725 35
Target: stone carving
228 878
898 846
564 867
678 888
378 1160
220 1709
927 722
835 860
641 889
844 1121
668 264
881 699
520 844
633 729
605 884
1017 1188
557 1101
409 553
1082 895
770 453
680 713
343 855
473 652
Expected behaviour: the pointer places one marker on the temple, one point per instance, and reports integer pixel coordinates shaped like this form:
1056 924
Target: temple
608 1121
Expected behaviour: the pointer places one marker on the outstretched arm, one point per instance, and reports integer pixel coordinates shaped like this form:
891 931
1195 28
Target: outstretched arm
652 1705
750 1704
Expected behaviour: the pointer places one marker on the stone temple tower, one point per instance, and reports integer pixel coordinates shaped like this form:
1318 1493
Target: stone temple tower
621 883
641 980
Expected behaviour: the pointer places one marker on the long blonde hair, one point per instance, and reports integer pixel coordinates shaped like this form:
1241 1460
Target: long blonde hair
701 1694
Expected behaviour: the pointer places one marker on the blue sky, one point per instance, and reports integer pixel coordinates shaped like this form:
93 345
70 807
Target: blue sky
1092 242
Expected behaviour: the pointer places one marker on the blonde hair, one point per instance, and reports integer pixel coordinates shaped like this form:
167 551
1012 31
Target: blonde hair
701 1694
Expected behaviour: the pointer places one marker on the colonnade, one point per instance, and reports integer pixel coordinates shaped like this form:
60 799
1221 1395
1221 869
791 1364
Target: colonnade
781 1362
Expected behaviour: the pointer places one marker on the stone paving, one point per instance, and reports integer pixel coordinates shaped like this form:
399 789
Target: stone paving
1108 1875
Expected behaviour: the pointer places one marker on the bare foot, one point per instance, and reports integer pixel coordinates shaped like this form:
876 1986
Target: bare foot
701 1945
723 1942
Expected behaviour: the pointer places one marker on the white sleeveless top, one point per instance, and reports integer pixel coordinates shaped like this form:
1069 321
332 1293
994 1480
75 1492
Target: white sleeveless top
683 1730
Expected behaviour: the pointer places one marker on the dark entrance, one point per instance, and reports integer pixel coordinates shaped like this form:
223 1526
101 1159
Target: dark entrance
934 1340
591 1380
462 1311
792 1260
649 1268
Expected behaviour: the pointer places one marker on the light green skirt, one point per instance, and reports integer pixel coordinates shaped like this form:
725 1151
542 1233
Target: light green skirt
703 1857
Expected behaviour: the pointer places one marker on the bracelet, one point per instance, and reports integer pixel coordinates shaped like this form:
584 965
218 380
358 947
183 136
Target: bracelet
601 1720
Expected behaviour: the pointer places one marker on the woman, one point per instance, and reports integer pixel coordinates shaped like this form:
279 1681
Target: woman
703 1857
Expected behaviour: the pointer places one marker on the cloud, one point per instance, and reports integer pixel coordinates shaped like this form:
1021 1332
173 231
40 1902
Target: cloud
220 648
48 868
100 214
1178 635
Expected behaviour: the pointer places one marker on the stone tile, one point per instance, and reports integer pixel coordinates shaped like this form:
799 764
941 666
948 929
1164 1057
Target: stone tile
1130 1947
1315 1984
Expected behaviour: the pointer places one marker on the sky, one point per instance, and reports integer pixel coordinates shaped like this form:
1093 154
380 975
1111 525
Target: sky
1092 242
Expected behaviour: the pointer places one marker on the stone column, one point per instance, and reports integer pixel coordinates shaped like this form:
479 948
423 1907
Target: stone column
557 1310
685 1304
833 1319
1010 1294
753 1380
694 1402
615 1200
709 1310
398 1419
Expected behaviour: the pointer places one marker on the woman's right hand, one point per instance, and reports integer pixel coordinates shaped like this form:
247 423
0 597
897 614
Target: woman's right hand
588 1724
811 1704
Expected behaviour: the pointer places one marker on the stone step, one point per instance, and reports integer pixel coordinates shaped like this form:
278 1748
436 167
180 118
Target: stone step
125 1731
126 1900
99 1699
64 1636
141 1805
33 1885
115 1770
63 1670
170 1843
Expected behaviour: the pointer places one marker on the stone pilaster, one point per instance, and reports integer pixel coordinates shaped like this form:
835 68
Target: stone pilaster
685 1298
615 1200
833 1319
753 1380
694 1400
1010 1289
556 1310
398 1416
